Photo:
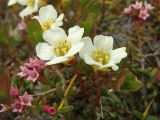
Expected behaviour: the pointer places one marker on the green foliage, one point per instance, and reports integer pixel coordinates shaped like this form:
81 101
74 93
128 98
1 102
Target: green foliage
131 84
34 31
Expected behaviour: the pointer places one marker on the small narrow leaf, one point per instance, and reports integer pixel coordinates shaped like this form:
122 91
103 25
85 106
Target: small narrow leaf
131 84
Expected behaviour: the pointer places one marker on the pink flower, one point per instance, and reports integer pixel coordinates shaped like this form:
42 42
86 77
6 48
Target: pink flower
17 106
137 5
21 25
32 69
24 71
143 14
128 10
26 99
39 64
14 91
50 110
2 108
148 6
33 75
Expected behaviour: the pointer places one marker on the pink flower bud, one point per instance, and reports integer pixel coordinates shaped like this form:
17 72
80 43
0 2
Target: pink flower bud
14 91
148 6
50 110
137 5
128 10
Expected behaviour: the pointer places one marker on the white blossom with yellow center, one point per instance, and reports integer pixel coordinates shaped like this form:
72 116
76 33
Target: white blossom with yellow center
100 53
58 46
31 6
48 17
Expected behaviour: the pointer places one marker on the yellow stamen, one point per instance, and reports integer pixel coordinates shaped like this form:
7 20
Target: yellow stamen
62 47
101 56
30 3
47 25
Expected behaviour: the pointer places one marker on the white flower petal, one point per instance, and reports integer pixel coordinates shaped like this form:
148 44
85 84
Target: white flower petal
103 42
22 2
47 13
90 61
58 22
12 2
75 34
118 54
36 5
60 17
54 35
57 60
27 11
44 51
88 47
75 49
115 67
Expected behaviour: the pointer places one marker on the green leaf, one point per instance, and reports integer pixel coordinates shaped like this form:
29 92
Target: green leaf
151 118
131 84
66 109
34 31
138 114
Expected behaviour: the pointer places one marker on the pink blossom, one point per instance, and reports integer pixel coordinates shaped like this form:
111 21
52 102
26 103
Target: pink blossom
31 69
33 75
24 71
39 64
2 108
128 10
143 14
21 25
26 99
50 110
17 106
137 5
14 91
148 6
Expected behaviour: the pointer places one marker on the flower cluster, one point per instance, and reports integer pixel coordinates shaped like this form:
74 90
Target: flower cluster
62 48
50 110
32 69
21 102
142 9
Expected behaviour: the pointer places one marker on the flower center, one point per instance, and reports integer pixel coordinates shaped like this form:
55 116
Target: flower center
25 100
47 25
101 56
30 3
18 105
62 47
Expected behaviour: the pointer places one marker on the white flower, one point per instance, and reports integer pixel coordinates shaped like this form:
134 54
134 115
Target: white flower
32 6
58 46
101 53
48 17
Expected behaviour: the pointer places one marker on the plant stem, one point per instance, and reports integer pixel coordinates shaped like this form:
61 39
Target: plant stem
67 91
43 93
